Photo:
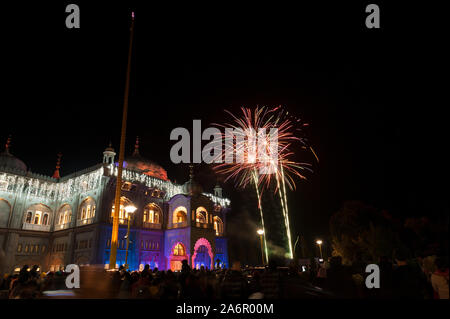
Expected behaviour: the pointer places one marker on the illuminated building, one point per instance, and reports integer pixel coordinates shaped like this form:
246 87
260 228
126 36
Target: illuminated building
55 221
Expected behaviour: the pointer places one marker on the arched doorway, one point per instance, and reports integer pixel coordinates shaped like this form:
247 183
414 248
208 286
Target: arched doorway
203 254
202 258
177 255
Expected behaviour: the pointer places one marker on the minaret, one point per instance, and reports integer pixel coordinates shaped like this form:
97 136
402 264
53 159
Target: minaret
108 155
218 190
58 166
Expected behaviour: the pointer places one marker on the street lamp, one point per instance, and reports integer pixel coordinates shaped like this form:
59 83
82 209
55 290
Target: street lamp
319 242
130 209
260 232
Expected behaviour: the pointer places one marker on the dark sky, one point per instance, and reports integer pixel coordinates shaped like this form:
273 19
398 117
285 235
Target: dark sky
366 94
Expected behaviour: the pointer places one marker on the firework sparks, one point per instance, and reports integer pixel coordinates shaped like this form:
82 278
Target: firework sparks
276 161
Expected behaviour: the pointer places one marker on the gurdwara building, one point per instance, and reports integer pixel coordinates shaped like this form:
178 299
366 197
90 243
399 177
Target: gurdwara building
55 221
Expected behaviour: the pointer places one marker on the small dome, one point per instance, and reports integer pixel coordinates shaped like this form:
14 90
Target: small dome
192 188
109 148
7 160
146 166
141 164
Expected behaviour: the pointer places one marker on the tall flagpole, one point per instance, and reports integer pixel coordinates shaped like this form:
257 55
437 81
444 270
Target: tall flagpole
115 228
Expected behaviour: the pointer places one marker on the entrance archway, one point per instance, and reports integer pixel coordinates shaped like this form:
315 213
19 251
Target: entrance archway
203 254
177 255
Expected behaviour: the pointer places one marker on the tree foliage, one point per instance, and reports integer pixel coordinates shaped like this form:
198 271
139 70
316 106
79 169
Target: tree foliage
361 233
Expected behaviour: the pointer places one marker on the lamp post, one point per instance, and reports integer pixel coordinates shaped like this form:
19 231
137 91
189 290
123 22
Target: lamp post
319 242
260 232
130 209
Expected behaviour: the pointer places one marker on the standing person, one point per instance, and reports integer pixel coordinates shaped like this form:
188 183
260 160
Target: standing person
234 285
385 290
34 272
24 275
125 287
339 279
184 274
439 279
146 270
312 270
271 282
321 275
406 279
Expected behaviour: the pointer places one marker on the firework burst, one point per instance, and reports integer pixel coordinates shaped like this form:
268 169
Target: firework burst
273 160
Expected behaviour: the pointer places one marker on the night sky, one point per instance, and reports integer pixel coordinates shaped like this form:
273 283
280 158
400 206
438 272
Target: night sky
374 121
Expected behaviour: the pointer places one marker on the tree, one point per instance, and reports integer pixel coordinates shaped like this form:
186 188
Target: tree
361 233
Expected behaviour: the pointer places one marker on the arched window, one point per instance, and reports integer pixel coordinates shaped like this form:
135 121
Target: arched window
179 215
218 226
5 209
123 215
85 208
84 215
37 214
201 215
45 219
64 215
179 250
67 217
152 214
37 218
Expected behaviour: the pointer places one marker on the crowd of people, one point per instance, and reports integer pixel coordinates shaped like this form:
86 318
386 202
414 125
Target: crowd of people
418 278
425 278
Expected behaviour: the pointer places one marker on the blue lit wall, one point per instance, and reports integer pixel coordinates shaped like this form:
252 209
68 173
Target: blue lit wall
153 247
146 247
221 252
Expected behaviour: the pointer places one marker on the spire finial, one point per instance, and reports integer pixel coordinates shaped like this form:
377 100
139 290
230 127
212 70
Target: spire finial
58 166
8 144
136 147
109 148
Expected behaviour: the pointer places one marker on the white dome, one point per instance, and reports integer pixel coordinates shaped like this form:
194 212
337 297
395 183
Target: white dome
9 161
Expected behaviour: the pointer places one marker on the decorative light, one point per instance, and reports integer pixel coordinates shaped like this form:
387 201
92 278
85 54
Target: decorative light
44 187
260 232
130 209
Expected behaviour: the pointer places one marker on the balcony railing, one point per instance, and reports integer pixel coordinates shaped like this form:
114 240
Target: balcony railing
36 227
151 225
62 226
179 225
86 221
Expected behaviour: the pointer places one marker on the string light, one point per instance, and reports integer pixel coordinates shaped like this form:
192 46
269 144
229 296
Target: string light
66 188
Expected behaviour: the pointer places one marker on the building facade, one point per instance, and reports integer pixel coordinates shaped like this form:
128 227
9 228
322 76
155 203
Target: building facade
55 221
